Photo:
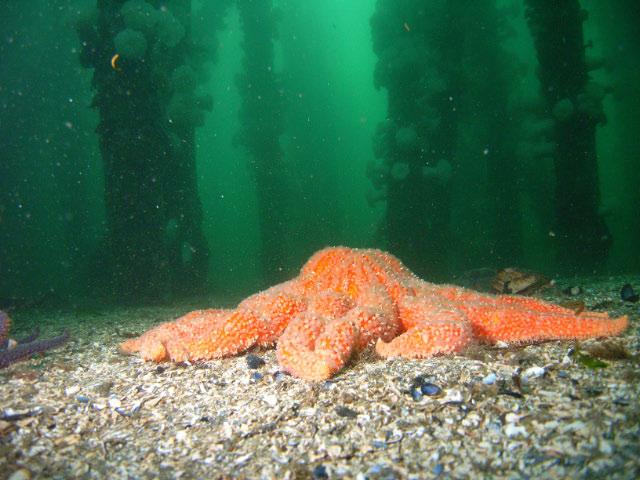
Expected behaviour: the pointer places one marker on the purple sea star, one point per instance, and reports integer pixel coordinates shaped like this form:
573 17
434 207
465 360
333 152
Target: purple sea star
11 353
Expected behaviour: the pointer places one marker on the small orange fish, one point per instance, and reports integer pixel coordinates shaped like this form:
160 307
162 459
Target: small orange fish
114 61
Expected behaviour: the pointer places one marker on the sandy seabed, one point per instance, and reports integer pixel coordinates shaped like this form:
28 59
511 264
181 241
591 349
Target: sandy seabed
86 411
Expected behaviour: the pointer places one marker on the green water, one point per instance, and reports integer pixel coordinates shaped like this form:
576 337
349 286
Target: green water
300 182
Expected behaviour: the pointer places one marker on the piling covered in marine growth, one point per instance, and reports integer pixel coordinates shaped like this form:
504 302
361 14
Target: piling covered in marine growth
145 78
417 136
261 125
448 79
574 104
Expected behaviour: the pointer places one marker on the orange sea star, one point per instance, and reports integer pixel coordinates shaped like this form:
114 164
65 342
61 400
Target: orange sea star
347 299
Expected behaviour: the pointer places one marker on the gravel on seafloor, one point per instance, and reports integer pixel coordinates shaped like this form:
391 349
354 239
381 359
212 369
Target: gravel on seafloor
86 411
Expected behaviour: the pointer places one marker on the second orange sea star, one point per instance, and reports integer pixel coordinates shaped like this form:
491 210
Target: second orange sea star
347 299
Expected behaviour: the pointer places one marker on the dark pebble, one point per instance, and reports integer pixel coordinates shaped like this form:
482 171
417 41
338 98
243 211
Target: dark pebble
628 294
430 389
160 369
254 361
319 472
346 412
280 376
122 412
593 391
510 393
420 386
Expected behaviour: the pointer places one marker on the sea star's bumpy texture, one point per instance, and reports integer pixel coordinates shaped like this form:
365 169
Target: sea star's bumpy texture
346 299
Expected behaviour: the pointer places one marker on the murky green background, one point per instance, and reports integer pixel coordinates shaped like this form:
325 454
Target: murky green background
53 220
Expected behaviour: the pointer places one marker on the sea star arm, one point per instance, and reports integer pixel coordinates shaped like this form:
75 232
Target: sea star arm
314 348
431 328
515 319
168 340
26 350
206 334
529 320
318 343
